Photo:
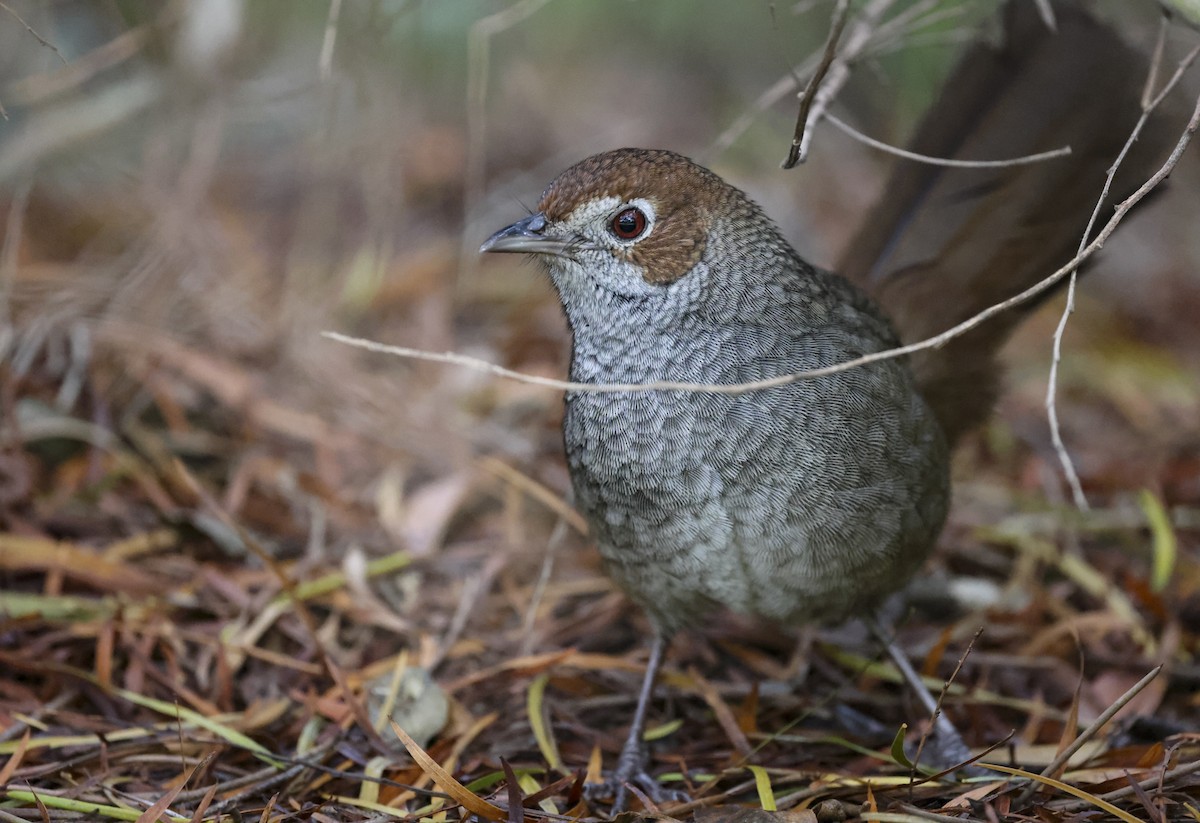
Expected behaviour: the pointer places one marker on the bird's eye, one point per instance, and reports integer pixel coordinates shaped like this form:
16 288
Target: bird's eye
628 224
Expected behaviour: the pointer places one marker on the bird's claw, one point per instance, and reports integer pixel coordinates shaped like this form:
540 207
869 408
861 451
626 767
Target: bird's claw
950 750
631 774
618 788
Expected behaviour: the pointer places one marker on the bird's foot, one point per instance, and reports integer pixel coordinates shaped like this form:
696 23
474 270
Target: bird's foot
948 750
631 774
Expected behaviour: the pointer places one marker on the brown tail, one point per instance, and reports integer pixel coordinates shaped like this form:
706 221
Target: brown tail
946 243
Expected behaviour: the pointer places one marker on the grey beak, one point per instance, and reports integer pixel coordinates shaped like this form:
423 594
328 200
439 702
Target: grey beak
526 236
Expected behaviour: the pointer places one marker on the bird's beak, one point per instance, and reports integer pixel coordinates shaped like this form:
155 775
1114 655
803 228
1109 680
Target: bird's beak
526 236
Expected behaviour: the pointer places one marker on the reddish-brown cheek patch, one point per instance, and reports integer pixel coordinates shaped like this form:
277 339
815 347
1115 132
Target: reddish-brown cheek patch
673 247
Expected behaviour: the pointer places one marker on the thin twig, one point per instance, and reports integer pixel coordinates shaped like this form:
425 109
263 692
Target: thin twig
557 535
945 161
900 31
470 598
952 743
479 39
863 29
937 711
1047 12
1056 439
1119 213
836 76
802 134
1060 449
925 814
325 61
1149 783
1090 732
29 28
9 248
35 88
1156 57
778 90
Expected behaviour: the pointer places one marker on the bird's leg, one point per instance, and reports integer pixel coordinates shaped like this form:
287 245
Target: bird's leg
631 764
951 749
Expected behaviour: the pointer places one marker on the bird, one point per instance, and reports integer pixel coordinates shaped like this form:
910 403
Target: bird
808 501
814 500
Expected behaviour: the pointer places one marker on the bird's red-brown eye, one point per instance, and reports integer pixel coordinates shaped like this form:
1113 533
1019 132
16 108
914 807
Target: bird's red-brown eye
629 224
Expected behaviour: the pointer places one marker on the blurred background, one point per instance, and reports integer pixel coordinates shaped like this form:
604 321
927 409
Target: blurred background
240 176
191 192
